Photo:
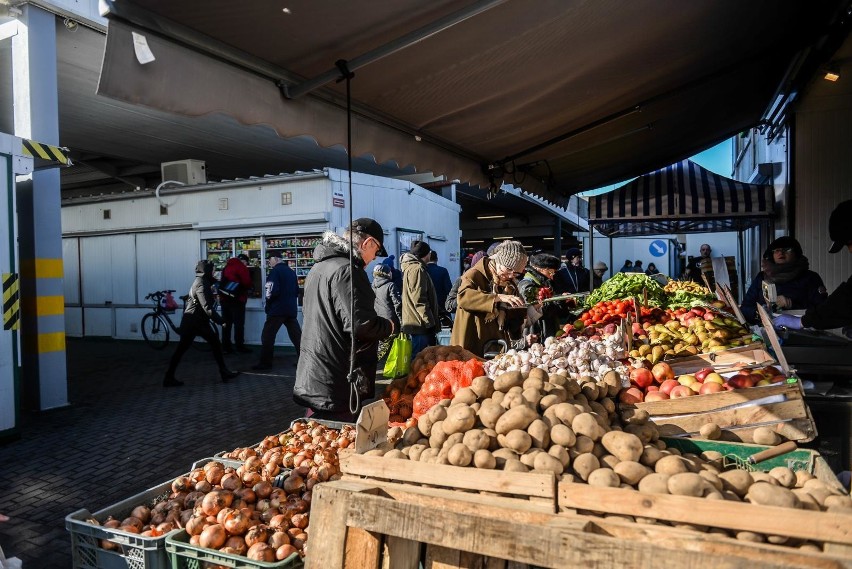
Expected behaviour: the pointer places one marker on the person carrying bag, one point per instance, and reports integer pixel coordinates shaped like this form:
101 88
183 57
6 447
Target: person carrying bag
398 363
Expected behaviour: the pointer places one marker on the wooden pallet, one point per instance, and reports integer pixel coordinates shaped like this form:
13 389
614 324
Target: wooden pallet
780 407
371 525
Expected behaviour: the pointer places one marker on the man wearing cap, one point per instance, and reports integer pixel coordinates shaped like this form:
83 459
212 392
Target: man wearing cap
322 374
485 289
282 291
836 311
598 271
574 277
421 317
234 307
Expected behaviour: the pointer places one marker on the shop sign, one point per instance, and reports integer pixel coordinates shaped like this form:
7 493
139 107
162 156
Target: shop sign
371 429
337 199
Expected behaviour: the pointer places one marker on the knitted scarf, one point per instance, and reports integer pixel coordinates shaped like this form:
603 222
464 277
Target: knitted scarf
774 273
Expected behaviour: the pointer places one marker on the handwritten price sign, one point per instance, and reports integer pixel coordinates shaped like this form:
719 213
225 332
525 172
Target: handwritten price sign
371 429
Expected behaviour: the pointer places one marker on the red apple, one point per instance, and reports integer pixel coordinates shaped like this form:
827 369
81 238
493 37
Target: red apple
771 371
631 396
681 391
777 379
667 386
710 387
652 388
656 396
662 371
702 373
756 377
740 381
641 377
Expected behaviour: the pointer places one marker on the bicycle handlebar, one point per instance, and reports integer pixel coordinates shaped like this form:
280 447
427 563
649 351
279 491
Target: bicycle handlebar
157 295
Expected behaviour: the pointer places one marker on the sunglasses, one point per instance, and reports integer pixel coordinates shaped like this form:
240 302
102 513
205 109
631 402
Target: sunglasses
783 250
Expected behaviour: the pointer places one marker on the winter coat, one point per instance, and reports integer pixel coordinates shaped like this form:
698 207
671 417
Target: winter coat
420 312
476 318
571 279
321 376
236 272
528 288
805 291
441 279
282 291
835 312
452 304
388 300
199 306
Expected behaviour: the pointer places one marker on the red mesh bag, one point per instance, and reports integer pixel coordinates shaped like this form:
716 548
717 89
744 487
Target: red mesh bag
445 379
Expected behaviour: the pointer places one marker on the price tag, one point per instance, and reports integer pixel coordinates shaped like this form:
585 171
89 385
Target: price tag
371 429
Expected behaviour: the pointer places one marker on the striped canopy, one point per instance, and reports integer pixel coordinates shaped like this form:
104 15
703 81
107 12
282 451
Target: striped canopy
681 198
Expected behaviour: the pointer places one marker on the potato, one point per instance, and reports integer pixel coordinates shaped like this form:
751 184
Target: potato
590 391
497 397
482 386
484 459
562 435
416 451
608 461
655 483
819 494
650 455
539 374
807 501
540 434
549 401
710 431
476 439
609 406
802 477
445 402
625 446
585 464
647 433
453 439
838 502
768 495
712 456
561 454
394 453
410 436
507 380
565 412
635 416
428 455
459 455
545 463
764 477
670 465
750 536
584 444
587 424
687 484
515 418
437 413
613 382
514 465
464 396
489 412
513 399
533 383
504 454
438 436
736 481
631 472
528 458
784 476
713 479
600 414
605 478
766 436
460 418
424 425
517 440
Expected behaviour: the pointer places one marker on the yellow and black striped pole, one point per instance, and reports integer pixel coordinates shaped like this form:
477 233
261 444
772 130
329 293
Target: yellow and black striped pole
47 152
11 302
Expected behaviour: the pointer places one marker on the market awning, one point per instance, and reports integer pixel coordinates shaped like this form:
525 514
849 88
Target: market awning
681 198
552 96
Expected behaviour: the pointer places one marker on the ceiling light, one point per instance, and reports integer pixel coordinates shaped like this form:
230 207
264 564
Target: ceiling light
496 216
548 238
504 237
832 72
286 10
474 241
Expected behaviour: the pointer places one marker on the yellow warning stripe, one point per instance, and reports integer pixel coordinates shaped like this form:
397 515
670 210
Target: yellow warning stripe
50 305
35 149
51 342
42 268
11 302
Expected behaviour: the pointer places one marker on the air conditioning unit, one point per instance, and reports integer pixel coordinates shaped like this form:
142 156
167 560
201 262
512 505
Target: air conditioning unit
188 172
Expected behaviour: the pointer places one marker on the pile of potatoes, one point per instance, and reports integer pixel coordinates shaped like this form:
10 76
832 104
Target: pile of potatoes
552 423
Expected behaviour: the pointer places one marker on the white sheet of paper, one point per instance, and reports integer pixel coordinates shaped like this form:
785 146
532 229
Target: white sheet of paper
140 46
720 271
371 429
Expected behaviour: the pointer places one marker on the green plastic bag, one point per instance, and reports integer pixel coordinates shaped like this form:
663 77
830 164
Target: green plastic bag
398 363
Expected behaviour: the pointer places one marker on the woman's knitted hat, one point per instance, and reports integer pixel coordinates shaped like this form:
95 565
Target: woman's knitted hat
420 249
511 255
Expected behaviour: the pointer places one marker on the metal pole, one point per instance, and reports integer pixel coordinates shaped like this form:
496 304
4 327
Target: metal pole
557 238
591 256
741 275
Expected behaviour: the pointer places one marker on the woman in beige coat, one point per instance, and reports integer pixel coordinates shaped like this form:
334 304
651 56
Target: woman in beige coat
483 286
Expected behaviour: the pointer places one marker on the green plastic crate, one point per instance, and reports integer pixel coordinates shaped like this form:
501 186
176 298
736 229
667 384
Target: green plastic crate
183 555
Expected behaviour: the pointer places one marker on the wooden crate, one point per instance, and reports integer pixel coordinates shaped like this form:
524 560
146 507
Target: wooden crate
371 525
731 359
780 407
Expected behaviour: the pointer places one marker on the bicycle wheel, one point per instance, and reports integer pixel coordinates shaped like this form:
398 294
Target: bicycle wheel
155 331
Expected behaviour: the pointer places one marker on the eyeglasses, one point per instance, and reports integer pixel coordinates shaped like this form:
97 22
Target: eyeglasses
784 250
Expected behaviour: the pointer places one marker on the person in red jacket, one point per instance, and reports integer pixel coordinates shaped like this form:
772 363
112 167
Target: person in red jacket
234 307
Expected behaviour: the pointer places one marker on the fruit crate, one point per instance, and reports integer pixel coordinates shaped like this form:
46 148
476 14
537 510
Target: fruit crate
373 524
135 551
184 555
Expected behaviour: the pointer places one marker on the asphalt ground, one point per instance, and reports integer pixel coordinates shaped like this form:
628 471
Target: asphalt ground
123 433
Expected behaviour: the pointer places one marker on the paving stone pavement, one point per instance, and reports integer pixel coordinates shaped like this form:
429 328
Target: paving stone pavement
124 433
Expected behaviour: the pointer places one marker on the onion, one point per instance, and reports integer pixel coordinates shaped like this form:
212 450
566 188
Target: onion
196 525
213 537
192 498
236 523
261 552
300 521
215 474
271 470
182 484
254 463
134 522
285 551
262 505
280 522
223 513
203 486
257 534
299 540
298 427
194 540
251 478
231 481
141 512
278 539
307 497
165 527
130 529
262 489
213 503
293 483
247 495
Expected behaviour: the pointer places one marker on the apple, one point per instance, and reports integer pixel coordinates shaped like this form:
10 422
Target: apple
631 396
681 391
637 328
771 371
667 386
656 396
641 376
740 381
687 379
714 377
777 379
652 388
763 382
710 387
702 373
662 371
756 377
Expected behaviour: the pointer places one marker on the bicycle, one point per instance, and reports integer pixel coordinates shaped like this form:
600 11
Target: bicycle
156 324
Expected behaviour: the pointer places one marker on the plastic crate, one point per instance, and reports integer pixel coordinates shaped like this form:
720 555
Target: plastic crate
136 552
444 336
183 555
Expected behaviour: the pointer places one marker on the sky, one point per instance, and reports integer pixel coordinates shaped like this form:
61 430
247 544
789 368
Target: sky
717 159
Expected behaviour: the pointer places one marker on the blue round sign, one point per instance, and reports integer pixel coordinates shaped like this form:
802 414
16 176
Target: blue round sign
658 247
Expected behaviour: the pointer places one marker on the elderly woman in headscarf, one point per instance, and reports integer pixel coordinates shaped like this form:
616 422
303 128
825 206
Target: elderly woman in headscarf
796 286
486 298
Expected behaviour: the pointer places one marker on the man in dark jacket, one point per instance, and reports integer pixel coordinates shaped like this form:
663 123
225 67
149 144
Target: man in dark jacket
421 316
322 376
538 277
388 303
574 277
282 290
234 307
440 278
196 322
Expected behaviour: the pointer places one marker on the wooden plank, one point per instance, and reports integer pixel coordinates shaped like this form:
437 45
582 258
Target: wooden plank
773 337
520 484
753 415
799 430
326 514
713 401
400 553
439 557
823 471
730 359
817 526
363 549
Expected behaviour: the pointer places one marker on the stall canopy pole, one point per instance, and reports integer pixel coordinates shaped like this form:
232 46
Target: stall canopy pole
591 257
741 276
